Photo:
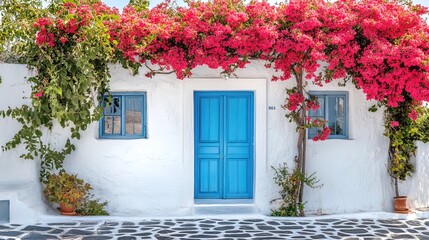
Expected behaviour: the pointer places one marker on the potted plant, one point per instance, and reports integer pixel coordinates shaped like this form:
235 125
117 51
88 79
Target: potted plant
67 190
400 168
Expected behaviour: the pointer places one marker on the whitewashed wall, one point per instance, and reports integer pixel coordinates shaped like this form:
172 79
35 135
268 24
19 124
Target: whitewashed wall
154 176
19 179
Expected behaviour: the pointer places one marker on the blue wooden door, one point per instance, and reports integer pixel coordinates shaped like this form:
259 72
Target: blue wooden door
223 144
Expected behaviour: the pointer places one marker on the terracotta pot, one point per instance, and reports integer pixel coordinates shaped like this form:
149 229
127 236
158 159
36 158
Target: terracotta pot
400 204
67 209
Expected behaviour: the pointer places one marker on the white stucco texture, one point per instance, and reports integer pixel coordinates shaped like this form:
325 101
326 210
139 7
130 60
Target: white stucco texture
155 176
19 178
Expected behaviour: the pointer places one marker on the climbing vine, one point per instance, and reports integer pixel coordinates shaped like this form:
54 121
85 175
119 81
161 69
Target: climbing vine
380 46
70 49
404 125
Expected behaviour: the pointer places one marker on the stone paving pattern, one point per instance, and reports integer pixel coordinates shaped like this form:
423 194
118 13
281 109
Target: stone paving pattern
223 229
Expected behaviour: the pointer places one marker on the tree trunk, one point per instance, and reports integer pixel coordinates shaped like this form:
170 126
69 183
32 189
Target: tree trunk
301 144
396 187
395 179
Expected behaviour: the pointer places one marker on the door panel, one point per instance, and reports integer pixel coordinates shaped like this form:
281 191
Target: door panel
223 144
210 119
239 146
209 169
209 146
237 178
237 119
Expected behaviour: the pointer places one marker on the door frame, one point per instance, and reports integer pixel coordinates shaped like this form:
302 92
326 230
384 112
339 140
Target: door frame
262 175
222 164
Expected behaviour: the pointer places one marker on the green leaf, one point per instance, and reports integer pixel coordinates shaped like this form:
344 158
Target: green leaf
373 108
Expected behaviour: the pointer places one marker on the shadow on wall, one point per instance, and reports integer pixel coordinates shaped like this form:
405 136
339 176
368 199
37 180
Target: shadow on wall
388 191
417 187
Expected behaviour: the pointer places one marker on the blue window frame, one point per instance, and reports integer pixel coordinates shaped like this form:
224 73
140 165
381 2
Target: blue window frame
124 115
333 109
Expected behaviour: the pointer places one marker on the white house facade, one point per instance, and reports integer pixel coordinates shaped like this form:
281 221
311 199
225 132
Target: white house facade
206 143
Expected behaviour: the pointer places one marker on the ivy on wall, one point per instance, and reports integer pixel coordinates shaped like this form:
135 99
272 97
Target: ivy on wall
404 125
71 71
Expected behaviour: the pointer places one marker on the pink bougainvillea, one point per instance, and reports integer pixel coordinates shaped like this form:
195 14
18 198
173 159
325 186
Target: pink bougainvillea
382 44
387 50
312 105
45 38
413 115
72 17
38 94
323 135
394 124
63 40
295 99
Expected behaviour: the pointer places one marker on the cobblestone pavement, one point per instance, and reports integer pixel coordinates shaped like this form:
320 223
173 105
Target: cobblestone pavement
223 229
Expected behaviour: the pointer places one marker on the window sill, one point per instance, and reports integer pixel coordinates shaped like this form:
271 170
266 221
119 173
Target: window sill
341 139
121 138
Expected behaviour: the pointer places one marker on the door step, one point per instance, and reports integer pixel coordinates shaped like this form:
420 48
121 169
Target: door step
224 209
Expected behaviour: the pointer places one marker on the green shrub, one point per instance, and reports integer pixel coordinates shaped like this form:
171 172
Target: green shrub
290 182
92 207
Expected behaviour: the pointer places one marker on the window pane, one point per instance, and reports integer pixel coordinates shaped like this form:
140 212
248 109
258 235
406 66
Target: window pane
108 125
314 131
113 107
107 106
117 125
134 115
320 112
331 114
116 106
340 116
336 115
